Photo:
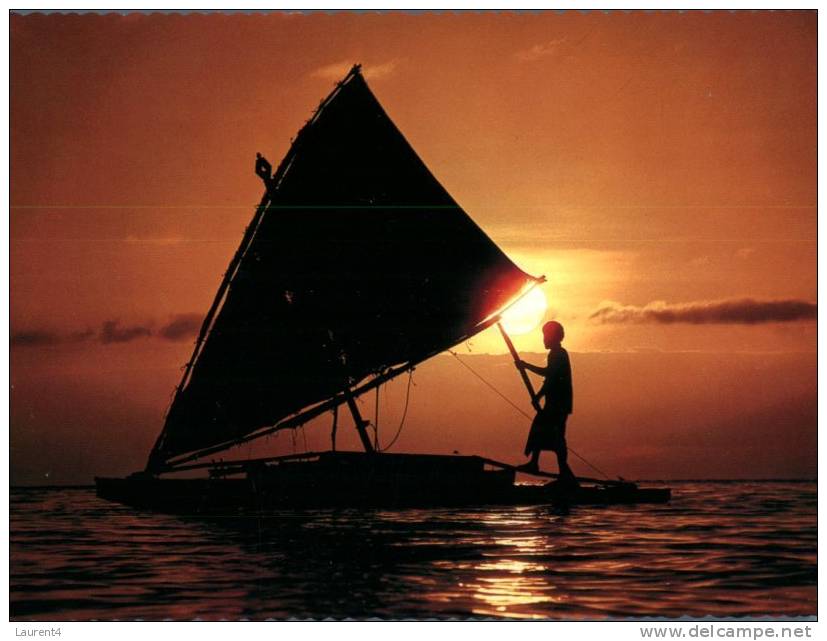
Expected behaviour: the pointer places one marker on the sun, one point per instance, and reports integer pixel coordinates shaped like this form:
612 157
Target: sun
526 314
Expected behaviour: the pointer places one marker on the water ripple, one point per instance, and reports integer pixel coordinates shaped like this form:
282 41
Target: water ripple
718 549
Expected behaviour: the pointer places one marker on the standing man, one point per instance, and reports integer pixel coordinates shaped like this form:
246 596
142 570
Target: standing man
548 430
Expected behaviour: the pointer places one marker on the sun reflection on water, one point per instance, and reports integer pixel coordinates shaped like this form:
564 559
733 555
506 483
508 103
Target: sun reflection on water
509 582
506 586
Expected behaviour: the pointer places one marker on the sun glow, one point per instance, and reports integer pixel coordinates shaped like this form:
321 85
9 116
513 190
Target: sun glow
526 314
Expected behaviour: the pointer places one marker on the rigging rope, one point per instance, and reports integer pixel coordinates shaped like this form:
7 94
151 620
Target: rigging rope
404 414
498 392
376 421
517 407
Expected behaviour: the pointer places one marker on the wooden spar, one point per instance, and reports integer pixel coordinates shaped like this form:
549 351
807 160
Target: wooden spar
252 461
534 402
294 421
334 427
359 422
309 414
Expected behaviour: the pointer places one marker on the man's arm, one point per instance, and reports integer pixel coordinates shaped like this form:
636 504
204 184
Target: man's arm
542 371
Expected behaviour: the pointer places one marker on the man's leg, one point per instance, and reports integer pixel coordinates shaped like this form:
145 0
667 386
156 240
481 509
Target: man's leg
562 463
562 452
533 464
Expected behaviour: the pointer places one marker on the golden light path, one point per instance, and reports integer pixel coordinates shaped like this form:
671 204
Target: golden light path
526 314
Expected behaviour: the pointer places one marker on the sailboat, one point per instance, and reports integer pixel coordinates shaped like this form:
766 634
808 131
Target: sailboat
356 267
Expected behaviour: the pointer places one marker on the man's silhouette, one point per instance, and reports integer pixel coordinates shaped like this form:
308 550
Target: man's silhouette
548 430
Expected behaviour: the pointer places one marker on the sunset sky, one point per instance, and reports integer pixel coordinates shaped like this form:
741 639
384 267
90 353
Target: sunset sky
658 168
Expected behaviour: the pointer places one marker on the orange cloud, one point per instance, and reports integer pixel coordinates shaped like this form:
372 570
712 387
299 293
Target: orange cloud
539 50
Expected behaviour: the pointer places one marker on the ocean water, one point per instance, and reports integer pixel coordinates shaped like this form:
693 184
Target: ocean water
720 549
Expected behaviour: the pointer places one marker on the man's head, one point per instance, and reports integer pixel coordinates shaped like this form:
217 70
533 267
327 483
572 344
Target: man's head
553 334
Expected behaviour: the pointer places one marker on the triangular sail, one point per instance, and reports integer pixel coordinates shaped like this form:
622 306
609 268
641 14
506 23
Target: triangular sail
360 261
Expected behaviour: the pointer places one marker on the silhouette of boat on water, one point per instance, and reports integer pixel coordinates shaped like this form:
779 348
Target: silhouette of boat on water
356 267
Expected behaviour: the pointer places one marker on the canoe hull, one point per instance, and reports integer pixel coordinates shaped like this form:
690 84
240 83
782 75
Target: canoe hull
355 480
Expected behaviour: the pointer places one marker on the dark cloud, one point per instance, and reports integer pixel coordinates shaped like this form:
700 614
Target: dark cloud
112 332
181 327
743 311
41 338
34 338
